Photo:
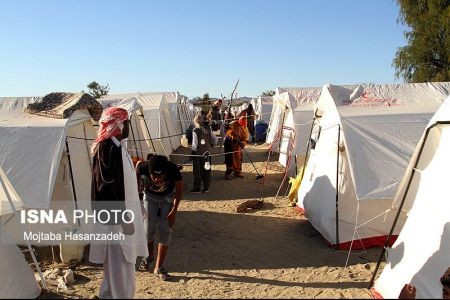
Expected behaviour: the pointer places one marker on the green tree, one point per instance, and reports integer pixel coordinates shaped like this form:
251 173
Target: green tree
204 98
96 90
268 93
426 57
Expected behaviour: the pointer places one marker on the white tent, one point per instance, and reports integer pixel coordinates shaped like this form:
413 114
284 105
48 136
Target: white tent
290 123
263 107
377 128
421 253
158 126
21 283
34 155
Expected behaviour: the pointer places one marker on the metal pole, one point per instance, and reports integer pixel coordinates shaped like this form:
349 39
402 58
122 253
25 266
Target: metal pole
308 146
282 129
134 139
179 117
72 179
71 175
139 136
337 188
87 148
386 243
148 131
168 133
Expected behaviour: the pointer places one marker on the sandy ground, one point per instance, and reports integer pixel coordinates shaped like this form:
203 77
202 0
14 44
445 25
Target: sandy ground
267 253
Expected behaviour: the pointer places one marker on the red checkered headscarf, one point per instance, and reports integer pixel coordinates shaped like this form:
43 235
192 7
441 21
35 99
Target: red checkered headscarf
110 122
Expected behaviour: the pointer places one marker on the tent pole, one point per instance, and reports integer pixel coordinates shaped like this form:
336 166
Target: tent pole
288 165
308 146
179 117
383 250
188 117
72 179
337 187
282 130
148 131
134 139
71 174
87 148
183 118
168 133
139 137
15 212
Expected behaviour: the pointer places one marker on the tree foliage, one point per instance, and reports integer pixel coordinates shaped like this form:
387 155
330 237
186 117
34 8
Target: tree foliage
205 97
426 57
96 90
268 93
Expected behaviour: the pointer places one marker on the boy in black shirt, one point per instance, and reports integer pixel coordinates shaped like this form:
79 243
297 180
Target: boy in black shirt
163 188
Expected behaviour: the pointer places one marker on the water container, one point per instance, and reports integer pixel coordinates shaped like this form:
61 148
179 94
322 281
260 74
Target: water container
260 132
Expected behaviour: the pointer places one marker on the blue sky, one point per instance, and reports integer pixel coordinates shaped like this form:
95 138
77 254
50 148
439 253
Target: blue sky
194 46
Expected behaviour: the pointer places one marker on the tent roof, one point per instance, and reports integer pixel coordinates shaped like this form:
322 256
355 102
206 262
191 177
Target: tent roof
301 98
148 99
382 125
130 104
388 98
62 105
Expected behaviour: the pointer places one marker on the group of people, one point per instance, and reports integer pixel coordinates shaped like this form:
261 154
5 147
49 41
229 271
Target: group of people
235 132
116 185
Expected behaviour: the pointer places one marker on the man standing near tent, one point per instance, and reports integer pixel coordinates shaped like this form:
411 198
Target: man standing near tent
237 137
202 140
163 190
114 187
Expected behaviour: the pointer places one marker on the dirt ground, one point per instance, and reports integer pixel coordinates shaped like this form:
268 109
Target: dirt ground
270 252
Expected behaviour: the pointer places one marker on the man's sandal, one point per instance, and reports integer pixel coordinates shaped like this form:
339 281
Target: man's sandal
144 264
162 273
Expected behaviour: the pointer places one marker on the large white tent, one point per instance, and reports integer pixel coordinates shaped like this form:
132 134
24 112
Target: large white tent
421 253
290 123
364 138
263 108
47 159
159 124
21 283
